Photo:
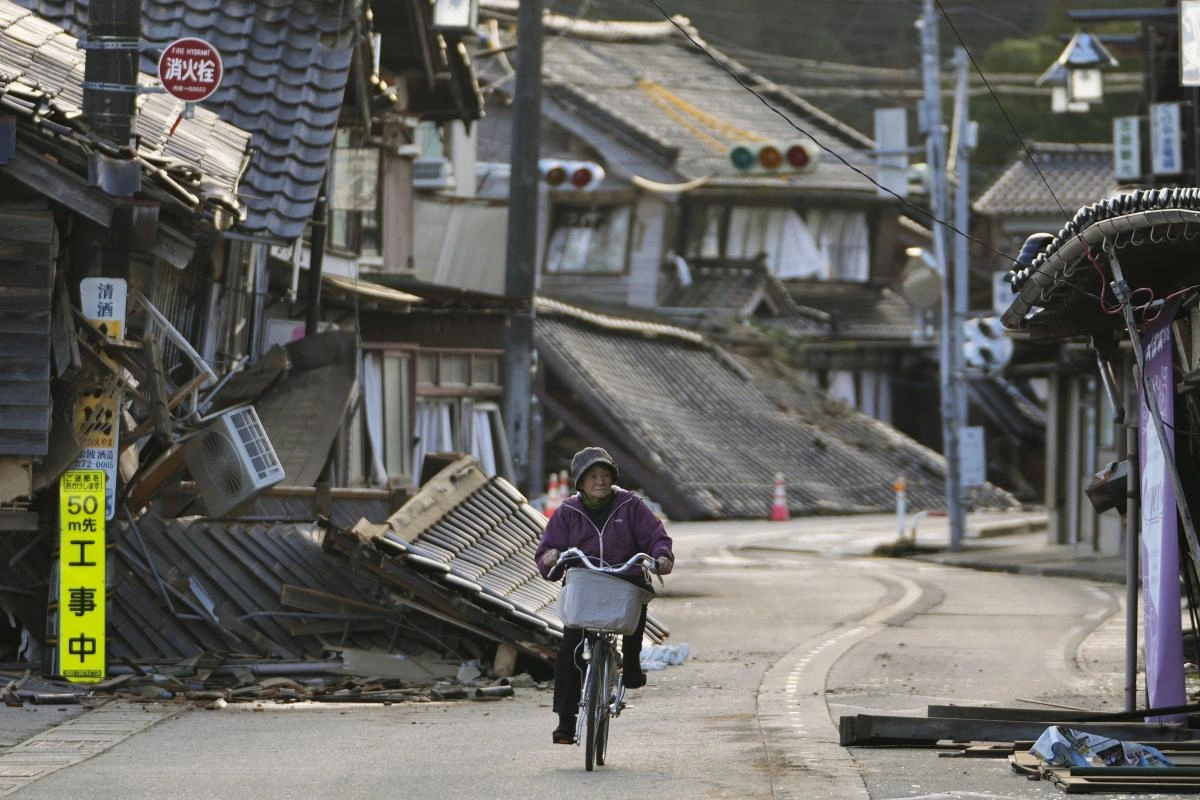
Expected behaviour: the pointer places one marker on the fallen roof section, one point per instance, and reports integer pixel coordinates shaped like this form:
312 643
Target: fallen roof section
704 433
469 537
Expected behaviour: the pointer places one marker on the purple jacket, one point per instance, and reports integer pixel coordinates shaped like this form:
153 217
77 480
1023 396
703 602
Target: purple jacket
631 528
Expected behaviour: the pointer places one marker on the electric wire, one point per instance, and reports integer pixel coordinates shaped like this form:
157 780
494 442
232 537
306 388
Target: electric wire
771 107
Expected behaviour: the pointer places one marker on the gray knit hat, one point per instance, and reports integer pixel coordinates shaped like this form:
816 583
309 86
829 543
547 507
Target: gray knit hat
589 457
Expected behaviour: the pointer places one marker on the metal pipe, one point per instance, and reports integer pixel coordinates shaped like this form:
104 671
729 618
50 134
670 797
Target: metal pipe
1132 566
1110 387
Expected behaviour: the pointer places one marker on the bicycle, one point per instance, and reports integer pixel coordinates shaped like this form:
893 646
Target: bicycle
605 607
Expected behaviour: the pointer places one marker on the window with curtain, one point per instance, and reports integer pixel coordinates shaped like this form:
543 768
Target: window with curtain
843 239
821 243
425 401
588 239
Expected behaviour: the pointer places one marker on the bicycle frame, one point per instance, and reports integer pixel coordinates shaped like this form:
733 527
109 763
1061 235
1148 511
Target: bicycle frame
602 694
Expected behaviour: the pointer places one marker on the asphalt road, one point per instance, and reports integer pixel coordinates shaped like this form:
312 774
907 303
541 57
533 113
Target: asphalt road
788 628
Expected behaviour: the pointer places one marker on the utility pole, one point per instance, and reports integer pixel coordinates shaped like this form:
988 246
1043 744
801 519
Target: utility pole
963 143
521 253
110 69
935 157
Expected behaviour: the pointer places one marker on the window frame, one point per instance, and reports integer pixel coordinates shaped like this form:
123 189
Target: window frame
560 207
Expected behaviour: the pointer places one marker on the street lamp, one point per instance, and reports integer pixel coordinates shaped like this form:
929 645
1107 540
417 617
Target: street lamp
1080 70
1056 79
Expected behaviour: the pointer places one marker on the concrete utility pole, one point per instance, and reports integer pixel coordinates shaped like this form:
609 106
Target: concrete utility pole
963 143
521 256
949 349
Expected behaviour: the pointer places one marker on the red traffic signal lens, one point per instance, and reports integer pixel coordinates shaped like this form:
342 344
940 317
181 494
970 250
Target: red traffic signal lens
798 157
556 176
581 177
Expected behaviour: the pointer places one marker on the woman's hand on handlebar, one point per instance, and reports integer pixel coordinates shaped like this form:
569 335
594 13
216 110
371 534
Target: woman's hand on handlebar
664 565
550 559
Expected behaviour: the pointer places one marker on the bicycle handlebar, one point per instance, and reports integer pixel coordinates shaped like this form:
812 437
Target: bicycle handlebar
648 562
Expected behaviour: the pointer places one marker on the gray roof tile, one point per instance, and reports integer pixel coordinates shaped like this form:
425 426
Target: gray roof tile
204 155
1079 174
856 310
668 94
718 433
286 66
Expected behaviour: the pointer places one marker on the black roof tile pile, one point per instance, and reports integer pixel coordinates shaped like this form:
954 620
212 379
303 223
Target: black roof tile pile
476 537
199 164
716 429
286 66
1079 173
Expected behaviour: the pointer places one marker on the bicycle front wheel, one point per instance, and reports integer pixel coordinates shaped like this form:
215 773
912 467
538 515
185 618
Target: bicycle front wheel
608 686
594 705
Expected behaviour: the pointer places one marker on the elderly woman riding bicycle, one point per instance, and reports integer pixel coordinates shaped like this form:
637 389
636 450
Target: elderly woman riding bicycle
610 524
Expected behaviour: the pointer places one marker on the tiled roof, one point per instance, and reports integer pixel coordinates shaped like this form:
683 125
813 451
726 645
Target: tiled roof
286 65
41 79
475 536
1078 173
648 84
714 430
1061 290
856 310
738 288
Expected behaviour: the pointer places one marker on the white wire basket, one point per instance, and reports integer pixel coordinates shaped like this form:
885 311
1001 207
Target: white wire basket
599 601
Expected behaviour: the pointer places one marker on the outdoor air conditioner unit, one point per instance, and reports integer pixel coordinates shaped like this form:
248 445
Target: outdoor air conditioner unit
431 173
232 460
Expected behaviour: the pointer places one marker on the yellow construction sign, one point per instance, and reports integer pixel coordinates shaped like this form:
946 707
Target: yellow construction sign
81 590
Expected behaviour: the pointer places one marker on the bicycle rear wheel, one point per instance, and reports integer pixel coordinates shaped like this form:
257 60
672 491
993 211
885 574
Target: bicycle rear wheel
593 697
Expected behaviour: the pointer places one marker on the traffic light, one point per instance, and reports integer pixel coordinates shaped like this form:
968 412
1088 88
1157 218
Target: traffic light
775 158
576 176
986 345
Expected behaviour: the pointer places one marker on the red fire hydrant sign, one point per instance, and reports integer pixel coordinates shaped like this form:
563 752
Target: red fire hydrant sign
190 69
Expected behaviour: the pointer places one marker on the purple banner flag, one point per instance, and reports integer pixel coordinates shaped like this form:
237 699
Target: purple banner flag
1160 527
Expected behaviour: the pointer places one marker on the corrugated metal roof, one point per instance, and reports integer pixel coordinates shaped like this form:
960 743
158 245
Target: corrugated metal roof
286 65
200 160
715 433
1079 174
190 586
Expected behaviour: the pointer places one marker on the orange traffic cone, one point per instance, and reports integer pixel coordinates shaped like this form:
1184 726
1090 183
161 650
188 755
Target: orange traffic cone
564 487
552 498
779 507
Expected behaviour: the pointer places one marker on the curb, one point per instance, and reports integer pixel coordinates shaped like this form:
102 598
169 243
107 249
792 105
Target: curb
76 740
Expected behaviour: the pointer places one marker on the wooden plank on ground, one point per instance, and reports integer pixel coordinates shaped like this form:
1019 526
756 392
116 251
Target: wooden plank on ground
870 729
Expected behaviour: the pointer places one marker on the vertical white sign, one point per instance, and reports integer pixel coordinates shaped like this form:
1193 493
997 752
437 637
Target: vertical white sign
1189 42
891 137
1127 149
1166 141
97 411
971 460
